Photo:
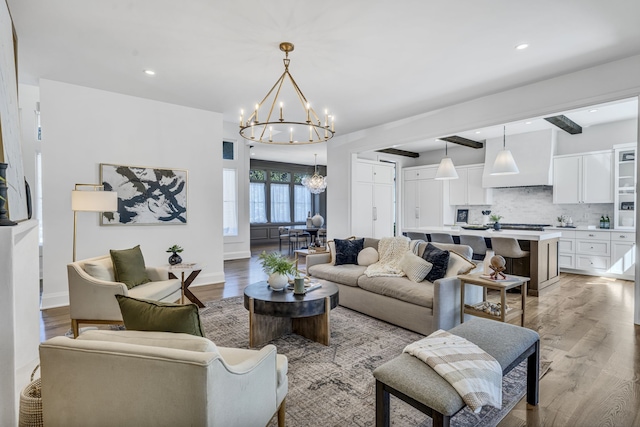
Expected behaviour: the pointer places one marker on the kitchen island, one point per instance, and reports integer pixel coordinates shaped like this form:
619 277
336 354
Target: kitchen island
543 247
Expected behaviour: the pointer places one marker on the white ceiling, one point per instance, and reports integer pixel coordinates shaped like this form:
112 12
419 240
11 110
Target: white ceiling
369 62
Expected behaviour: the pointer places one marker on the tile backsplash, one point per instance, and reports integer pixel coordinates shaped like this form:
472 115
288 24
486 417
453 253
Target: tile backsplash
534 205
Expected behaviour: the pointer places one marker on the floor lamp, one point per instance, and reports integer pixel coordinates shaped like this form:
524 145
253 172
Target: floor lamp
92 199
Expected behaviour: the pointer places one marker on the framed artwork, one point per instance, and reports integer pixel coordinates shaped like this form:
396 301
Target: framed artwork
146 195
10 145
462 215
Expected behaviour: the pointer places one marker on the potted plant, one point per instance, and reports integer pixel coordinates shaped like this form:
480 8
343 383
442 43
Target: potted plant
175 258
496 221
562 220
278 268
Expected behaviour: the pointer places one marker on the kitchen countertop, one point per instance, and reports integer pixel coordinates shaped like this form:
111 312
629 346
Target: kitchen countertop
455 230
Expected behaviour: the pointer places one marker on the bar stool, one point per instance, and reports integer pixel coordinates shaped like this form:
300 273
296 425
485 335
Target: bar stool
441 238
321 238
509 249
417 236
283 234
297 236
477 243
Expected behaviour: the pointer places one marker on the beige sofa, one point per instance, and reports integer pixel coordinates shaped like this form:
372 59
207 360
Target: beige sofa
422 307
92 290
133 378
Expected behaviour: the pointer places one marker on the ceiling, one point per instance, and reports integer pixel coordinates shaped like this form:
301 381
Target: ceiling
368 62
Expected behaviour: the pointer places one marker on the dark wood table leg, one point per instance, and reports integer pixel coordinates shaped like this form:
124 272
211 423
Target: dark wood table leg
185 287
382 406
533 376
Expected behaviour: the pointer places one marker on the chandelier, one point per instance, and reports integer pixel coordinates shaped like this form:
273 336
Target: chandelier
302 126
315 183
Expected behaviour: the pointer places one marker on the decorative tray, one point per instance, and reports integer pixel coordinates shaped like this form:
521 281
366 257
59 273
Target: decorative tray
475 227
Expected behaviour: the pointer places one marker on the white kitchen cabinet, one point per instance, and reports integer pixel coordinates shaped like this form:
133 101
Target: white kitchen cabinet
583 178
567 250
624 214
623 253
467 190
425 200
372 200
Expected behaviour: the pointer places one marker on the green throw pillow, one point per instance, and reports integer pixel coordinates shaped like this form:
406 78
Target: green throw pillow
128 267
147 315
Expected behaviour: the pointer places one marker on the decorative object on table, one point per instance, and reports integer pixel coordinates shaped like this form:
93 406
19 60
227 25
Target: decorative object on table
175 258
496 221
462 216
309 220
4 219
562 219
298 285
278 268
145 195
30 414
301 126
315 183
486 263
504 164
492 308
318 220
90 198
497 266
485 217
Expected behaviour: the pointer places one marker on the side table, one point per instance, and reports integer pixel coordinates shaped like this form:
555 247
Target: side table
500 285
195 270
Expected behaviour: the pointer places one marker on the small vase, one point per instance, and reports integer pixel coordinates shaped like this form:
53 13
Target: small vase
298 285
318 220
278 281
497 226
175 259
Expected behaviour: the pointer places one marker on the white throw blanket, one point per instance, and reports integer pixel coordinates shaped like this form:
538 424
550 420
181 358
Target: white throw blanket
390 252
474 373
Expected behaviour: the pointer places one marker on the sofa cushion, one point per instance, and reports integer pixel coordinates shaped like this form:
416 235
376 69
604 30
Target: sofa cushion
156 291
146 315
347 274
439 259
370 242
400 288
458 265
416 268
368 256
347 251
101 269
152 339
128 266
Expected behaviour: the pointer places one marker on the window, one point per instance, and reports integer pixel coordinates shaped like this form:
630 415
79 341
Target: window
257 203
301 202
227 150
280 204
229 202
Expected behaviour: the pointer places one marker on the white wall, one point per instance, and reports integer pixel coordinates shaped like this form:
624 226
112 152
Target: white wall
237 247
28 98
83 127
598 137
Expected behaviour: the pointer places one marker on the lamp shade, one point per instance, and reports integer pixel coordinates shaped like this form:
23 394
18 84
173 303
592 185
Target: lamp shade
446 170
505 164
94 201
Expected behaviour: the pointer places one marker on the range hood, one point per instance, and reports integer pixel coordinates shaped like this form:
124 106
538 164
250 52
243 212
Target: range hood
533 153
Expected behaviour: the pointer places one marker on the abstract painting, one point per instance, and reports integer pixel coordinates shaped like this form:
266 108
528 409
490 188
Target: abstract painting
146 196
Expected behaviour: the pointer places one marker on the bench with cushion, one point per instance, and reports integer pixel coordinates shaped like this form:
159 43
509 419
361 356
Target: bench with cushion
416 383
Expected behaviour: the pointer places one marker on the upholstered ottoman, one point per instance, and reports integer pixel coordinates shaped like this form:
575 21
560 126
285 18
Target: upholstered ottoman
414 382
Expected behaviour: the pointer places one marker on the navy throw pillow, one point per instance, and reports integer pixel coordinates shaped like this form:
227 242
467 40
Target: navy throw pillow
440 261
347 251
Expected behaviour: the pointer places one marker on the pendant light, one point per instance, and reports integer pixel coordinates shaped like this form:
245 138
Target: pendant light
446 170
504 163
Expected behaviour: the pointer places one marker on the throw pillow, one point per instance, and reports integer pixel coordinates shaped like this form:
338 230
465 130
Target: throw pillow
440 261
100 269
368 256
415 267
147 315
458 265
128 266
347 251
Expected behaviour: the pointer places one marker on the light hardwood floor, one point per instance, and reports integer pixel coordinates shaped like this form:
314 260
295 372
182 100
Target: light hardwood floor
587 331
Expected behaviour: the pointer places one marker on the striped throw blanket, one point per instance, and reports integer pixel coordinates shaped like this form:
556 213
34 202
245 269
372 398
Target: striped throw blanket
475 374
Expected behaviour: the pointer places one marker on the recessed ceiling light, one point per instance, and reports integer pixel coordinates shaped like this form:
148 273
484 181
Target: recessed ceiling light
477 132
150 72
593 111
522 46
527 123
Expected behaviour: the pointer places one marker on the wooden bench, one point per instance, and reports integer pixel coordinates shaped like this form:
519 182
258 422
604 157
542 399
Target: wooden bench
413 381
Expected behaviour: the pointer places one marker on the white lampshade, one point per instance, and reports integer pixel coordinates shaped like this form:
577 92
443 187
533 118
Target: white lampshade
446 170
94 201
505 164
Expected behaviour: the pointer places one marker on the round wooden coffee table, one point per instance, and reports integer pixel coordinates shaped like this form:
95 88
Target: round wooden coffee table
275 313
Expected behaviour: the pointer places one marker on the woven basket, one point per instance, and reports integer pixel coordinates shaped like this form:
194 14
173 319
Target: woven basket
31 403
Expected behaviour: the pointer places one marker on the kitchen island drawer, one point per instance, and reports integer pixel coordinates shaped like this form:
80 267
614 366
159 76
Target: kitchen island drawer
586 262
593 235
623 236
593 247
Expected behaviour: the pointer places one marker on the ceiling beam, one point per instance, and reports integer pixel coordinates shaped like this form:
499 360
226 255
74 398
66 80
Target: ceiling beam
399 152
463 141
565 123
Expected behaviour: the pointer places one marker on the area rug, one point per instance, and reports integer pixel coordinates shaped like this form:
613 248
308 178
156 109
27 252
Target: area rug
334 385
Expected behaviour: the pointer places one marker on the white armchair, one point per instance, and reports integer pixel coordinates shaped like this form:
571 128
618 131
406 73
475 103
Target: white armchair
133 378
92 290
